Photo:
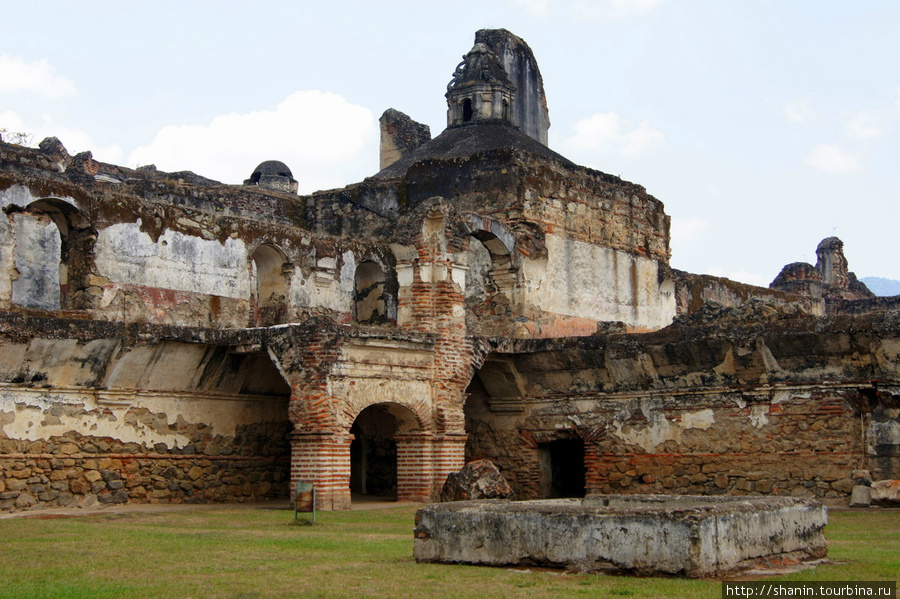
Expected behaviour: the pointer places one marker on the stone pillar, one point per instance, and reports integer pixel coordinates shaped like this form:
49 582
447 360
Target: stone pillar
423 463
324 460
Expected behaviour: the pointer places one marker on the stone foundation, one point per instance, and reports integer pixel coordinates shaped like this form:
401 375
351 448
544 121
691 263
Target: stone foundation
35 481
678 535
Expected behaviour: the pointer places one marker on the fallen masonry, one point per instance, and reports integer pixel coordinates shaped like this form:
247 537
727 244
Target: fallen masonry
682 535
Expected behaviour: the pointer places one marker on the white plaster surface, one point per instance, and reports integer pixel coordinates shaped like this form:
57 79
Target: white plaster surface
125 254
335 294
37 257
659 428
34 419
589 281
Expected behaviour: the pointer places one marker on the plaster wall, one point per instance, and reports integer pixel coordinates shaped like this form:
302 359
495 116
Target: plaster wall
125 254
330 285
36 257
589 281
157 421
83 422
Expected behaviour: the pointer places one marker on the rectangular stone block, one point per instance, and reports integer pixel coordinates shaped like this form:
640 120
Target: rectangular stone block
649 534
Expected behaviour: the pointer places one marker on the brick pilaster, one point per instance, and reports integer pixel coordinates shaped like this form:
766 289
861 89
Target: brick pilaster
323 459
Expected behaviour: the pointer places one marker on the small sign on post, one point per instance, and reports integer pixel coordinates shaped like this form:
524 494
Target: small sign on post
305 499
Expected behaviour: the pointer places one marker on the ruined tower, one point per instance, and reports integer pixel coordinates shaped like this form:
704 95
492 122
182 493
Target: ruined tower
498 79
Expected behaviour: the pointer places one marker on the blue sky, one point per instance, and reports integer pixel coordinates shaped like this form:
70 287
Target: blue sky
763 126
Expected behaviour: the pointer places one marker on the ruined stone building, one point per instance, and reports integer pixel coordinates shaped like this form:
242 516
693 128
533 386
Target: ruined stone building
168 338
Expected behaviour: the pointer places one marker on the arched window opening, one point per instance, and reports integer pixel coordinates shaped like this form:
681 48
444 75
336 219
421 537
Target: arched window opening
490 281
51 256
268 267
370 301
505 110
467 110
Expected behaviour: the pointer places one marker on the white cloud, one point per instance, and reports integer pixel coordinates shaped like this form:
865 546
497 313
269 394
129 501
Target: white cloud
863 125
614 9
605 131
741 276
326 141
798 111
687 229
17 76
831 158
75 140
537 8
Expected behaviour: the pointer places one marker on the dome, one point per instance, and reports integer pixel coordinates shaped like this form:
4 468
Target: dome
273 174
271 168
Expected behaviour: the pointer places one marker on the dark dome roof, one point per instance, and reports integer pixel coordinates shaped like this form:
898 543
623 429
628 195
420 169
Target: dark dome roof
462 141
271 167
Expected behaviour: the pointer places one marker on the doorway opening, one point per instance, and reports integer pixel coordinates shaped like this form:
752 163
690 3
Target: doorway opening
562 468
373 450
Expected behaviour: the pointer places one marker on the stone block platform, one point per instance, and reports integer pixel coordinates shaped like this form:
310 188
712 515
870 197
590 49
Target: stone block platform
689 536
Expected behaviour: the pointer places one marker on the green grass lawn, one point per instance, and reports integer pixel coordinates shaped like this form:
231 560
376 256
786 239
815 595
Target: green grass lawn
249 554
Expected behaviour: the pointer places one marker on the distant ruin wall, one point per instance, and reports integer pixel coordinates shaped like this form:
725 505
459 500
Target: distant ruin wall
692 291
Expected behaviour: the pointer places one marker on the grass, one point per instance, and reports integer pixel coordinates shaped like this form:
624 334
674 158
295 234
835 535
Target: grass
255 554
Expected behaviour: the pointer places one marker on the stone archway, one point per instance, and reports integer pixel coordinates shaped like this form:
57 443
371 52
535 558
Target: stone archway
375 462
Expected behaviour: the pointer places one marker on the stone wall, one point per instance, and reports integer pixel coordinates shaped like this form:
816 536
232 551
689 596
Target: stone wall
790 406
94 411
75 447
82 471
804 443
692 291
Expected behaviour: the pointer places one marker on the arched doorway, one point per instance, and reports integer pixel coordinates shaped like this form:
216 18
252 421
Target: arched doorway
374 460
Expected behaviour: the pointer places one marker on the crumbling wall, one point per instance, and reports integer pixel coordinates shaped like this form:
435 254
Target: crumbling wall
530 105
164 253
400 135
98 412
72 450
783 407
692 291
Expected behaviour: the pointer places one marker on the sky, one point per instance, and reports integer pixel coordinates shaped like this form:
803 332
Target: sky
763 126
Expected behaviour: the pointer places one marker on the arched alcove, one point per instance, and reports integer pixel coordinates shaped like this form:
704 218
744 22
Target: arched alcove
51 255
491 278
373 302
270 284
467 110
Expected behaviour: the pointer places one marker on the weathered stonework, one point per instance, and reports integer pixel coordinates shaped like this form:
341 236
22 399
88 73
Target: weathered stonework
665 534
481 296
648 535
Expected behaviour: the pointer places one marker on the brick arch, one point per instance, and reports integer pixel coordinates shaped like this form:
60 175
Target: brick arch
413 416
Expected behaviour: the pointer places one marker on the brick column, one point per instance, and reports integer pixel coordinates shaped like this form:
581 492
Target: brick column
323 459
423 463
449 456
